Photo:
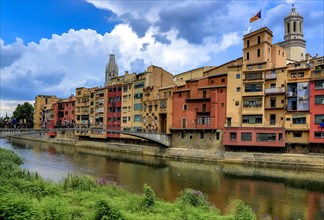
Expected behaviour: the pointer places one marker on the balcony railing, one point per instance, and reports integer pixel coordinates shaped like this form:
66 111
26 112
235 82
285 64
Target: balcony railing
317 74
271 76
277 90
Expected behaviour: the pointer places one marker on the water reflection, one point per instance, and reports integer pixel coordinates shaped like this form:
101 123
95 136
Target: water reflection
278 193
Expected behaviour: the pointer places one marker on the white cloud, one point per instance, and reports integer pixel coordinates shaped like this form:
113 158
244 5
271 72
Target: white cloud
7 107
58 65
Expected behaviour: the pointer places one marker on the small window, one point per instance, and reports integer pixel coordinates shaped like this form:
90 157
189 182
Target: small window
179 94
202 135
246 136
287 119
301 74
260 66
238 89
190 135
297 134
237 103
247 43
212 81
222 104
223 80
247 56
259 53
217 135
259 39
249 67
238 76
233 136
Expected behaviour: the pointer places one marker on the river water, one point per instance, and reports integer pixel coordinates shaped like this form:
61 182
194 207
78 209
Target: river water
271 192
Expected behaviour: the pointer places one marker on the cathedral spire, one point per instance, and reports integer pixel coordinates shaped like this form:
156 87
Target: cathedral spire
111 69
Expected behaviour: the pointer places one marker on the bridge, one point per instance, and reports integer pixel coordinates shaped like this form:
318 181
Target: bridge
162 139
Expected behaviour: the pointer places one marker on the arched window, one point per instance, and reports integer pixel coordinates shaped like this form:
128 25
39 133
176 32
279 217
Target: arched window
294 28
288 28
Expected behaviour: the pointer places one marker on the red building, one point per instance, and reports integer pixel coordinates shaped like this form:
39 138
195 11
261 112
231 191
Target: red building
316 137
114 110
64 112
199 112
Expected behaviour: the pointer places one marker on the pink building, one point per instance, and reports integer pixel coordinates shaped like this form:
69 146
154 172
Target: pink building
64 112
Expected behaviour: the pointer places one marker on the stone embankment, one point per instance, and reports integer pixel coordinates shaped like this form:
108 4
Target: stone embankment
296 161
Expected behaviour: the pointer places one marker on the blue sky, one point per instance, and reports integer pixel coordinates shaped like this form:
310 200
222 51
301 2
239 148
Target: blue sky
52 47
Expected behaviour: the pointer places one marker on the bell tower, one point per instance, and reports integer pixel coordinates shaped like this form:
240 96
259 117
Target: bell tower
294 42
111 69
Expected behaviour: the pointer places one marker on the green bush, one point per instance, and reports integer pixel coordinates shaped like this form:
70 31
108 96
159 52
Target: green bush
55 208
10 156
107 212
15 206
193 198
149 199
84 183
242 211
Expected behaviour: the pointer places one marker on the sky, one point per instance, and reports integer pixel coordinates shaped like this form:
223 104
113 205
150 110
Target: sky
51 47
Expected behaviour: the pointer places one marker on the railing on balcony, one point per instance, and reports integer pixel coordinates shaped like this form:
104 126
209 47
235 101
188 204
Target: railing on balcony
271 76
317 74
277 90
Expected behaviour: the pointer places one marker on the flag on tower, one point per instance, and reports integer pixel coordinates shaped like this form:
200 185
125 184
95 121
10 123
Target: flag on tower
255 17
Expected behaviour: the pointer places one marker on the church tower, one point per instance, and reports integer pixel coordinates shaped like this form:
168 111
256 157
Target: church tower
294 42
111 69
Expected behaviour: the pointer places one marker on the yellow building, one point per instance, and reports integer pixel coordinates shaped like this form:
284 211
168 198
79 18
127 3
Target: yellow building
82 109
181 78
297 119
256 94
41 100
127 102
97 112
154 106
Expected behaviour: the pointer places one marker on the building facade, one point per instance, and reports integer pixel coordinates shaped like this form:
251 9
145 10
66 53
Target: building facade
64 110
40 101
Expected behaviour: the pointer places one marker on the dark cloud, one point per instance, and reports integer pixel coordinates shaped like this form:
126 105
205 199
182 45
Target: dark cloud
11 53
137 66
26 85
162 38
139 25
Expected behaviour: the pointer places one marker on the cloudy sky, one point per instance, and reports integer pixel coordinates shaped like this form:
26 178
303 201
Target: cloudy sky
51 47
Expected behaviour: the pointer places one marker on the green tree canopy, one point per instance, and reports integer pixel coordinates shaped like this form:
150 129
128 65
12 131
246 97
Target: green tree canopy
24 113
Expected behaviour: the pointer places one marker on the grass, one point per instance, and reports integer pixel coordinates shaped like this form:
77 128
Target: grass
25 195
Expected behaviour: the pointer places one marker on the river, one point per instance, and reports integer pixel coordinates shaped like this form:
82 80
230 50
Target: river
271 192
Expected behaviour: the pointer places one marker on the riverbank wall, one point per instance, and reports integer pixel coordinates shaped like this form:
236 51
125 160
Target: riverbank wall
292 161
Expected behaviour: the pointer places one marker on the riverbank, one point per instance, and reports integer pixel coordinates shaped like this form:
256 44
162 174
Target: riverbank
26 195
294 161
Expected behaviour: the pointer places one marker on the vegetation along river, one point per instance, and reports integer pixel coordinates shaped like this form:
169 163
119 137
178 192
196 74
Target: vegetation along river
271 192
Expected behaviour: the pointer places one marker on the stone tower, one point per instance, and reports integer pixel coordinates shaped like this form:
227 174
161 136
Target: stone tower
294 42
111 69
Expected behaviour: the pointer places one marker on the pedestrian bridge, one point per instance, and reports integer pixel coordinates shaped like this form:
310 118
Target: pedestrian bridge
162 139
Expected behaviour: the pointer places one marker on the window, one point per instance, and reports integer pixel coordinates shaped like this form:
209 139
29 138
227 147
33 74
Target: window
293 75
319 99
137 118
237 103
238 76
138 106
212 82
138 95
272 85
266 137
258 53
233 136
124 109
259 39
301 74
280 137
249 67
294 26
252 119
238 89
179 94
217 135
204 94
185 107
247 43
203 120
138 85
319 119
288 28
297 134
223 80
203 107
125 98
247 56
260 66
182 135
318 134
124 119
190 135
246 136
253 87
319 84
299 120
202 135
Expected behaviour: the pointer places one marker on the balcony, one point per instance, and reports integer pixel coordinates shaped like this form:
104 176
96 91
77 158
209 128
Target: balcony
277 90
317 74
271 76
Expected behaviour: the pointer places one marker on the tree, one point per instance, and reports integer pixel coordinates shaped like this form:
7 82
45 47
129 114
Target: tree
24 114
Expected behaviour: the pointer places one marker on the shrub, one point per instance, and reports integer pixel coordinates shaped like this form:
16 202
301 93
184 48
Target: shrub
242 211
84 183
193 198
149 199
55 208
16 206
10 156
105 211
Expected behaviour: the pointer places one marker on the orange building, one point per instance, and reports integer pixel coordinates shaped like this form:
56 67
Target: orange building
199 110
